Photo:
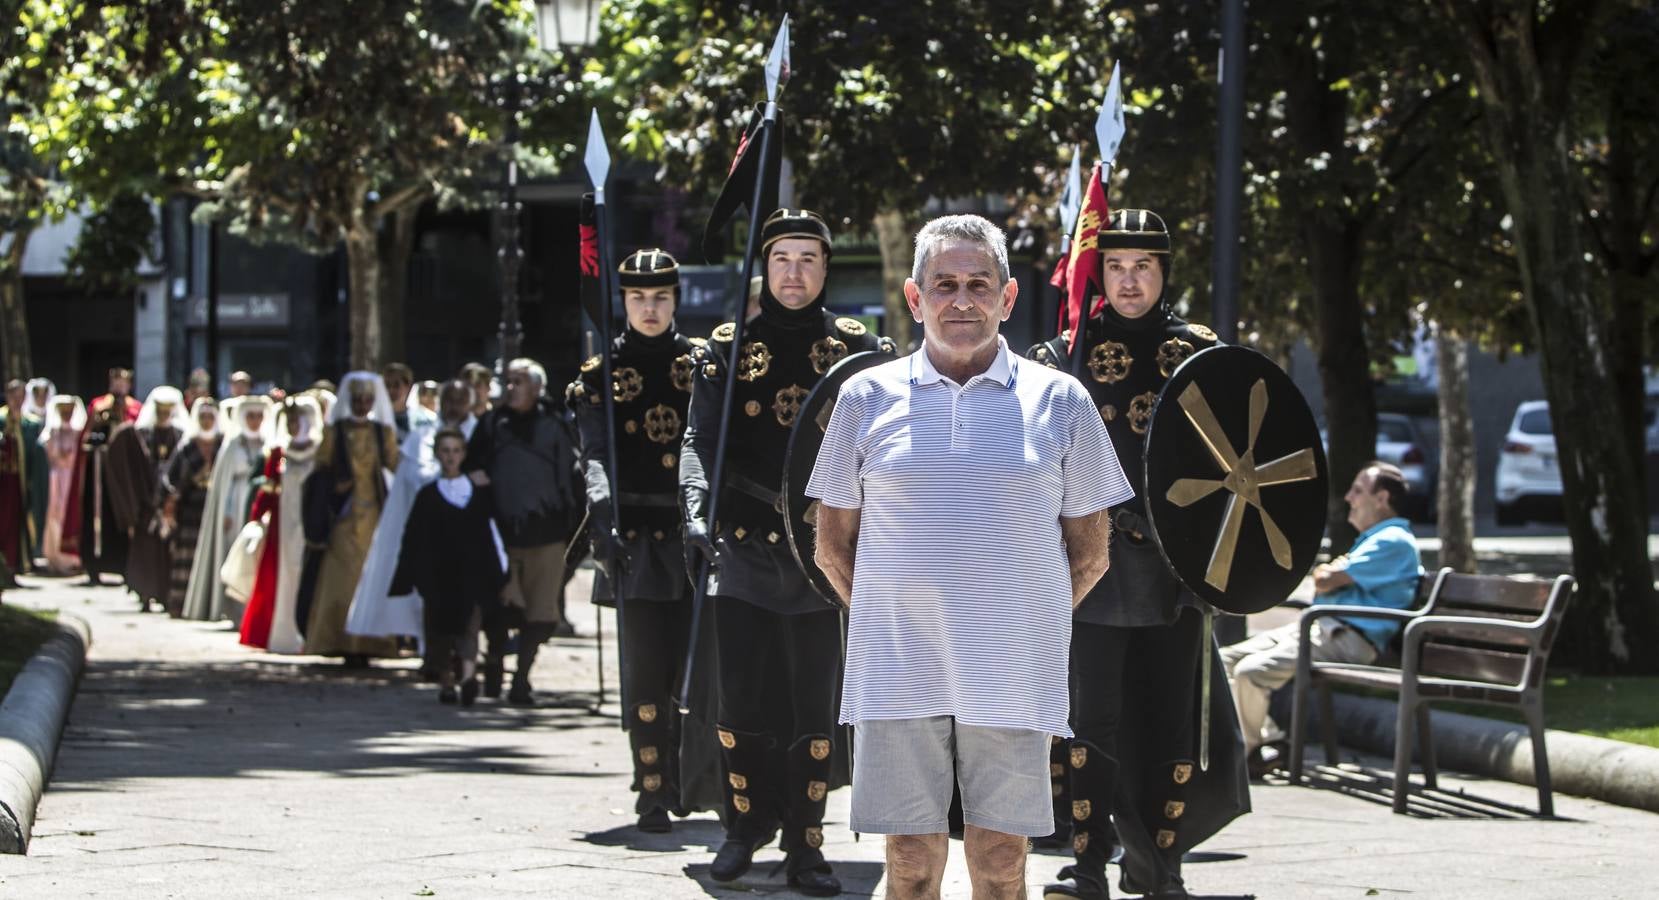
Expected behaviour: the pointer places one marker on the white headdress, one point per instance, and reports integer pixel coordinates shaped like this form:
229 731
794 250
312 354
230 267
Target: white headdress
164 394
325 402
77 421
29 405
194 430
382 411
236 412
305 406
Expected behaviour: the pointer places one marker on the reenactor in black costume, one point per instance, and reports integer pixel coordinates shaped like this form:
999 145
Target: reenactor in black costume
779 642
651 377
1136 638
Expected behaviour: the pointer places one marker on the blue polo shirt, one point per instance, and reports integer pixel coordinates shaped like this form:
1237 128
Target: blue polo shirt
1385 567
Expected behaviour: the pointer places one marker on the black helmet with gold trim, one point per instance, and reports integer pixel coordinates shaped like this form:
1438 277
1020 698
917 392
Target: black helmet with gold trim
794 223
1135 229
649 268
1138 229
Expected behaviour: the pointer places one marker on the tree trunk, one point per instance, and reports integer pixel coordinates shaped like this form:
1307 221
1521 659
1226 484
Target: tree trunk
1614 621
1626 338
363 281
1317 113
14 315
1456 492
897 253
1344 367
397 245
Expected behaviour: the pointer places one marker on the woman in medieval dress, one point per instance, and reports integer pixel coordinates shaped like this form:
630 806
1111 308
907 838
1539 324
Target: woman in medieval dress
241 459
61 545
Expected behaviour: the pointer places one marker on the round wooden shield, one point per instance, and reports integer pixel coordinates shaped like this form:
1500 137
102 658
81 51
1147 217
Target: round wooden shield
1235 479
801 512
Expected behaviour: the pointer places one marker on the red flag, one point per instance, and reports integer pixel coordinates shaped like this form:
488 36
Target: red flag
589 236
1081 270
587 255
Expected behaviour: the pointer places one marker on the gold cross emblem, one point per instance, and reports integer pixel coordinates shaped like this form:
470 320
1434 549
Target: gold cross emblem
627 384
1244 480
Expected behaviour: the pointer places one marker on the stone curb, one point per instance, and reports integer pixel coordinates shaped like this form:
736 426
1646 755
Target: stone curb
32 716
1584 766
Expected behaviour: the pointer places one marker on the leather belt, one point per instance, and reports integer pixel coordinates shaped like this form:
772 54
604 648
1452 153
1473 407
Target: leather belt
659 501
756 490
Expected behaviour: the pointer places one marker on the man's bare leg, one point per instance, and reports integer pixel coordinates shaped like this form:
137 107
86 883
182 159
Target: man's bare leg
916 865
996 863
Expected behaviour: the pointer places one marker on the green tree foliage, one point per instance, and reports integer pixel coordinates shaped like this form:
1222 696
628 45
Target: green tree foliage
314 124
887 106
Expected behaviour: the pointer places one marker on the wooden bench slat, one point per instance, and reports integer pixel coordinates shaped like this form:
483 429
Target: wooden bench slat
1498 667
1490 593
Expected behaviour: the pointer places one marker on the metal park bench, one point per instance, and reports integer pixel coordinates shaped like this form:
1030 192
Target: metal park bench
1477 639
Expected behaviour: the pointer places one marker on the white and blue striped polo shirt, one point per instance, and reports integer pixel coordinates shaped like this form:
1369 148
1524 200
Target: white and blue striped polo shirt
961 586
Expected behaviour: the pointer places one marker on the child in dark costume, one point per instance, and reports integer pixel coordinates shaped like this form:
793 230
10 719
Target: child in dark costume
452 554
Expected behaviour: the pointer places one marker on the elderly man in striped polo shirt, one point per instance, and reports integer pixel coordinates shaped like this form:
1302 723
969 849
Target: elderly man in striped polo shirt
964 495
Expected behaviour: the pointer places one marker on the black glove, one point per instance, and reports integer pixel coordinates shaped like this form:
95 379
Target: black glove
699 547
699 543
608 547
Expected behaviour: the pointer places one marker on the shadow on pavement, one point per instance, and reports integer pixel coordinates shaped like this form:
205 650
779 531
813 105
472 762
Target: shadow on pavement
688 834
145 719
858 879
1377 786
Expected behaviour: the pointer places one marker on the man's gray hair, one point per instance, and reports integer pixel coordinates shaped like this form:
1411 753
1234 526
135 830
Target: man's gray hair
532 369
969 228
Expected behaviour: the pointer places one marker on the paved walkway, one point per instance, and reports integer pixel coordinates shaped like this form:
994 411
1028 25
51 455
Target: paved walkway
193 767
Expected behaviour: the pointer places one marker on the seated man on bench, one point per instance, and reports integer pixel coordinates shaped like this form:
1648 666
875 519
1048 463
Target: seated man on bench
1381 569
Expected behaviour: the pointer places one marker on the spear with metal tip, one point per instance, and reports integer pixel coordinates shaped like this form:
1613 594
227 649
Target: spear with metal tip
777 72
1108 133
597 158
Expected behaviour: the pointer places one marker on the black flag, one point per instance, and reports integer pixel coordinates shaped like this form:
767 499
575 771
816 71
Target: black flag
740 185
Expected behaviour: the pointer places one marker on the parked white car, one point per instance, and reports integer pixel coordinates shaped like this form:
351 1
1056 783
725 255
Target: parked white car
1528 479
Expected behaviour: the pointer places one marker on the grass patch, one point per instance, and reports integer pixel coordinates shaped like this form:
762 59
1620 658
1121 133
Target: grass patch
1624 708
22 631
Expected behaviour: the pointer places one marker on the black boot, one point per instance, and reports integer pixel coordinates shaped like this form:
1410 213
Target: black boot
521 693
735 856
751 819
1162 815
810 874
654 821
1092 778
493 672
650 738
807 774
1086 880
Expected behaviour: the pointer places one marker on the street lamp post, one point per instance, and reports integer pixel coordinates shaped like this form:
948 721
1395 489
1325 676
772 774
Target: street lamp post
568 25
509 254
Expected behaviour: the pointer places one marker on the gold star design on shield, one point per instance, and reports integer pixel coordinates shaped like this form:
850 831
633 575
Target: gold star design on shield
1244 480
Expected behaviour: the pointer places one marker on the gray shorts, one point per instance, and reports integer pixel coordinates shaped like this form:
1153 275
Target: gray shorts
902 771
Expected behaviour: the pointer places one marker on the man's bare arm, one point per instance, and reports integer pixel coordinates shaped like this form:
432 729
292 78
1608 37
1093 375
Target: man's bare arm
837 545
1087 539
1330 577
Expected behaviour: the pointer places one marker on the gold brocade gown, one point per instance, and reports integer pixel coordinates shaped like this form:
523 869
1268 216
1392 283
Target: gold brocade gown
348 543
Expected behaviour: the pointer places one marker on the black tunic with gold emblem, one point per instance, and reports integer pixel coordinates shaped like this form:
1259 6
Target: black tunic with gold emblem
785 352
651 384
651 378
1125 365
1131 769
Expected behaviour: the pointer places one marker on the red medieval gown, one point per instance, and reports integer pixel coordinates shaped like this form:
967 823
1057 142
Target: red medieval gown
267 503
